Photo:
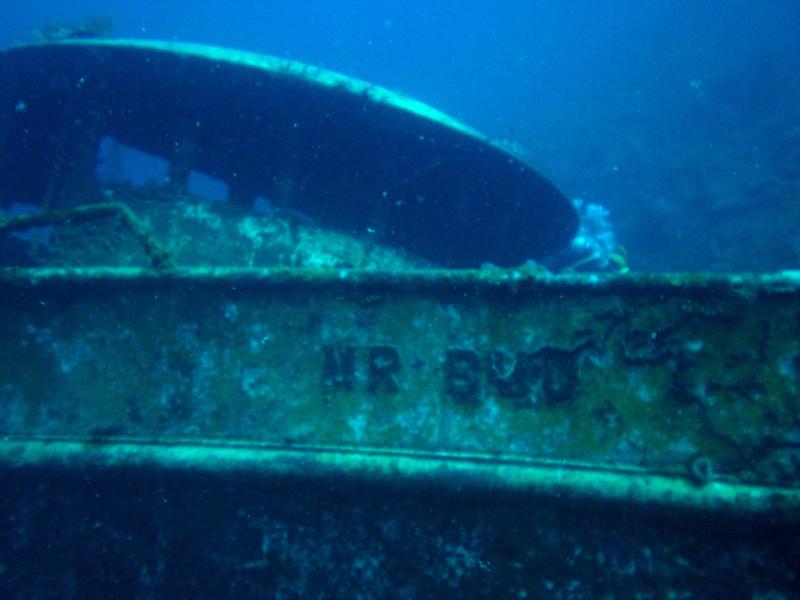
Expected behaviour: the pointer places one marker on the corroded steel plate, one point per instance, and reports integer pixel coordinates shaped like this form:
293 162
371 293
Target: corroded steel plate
661 388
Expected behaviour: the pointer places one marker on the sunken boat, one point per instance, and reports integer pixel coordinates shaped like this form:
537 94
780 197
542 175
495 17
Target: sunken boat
198 399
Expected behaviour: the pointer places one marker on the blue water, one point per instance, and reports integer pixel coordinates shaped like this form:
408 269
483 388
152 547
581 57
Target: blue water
681 118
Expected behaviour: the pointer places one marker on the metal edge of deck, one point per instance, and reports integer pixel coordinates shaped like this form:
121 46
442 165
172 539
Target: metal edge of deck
457 472
747 285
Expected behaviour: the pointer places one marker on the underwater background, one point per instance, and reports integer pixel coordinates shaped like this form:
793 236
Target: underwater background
175 426
681 118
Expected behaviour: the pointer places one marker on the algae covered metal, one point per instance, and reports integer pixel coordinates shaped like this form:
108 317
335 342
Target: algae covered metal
686 386
300 432
201 401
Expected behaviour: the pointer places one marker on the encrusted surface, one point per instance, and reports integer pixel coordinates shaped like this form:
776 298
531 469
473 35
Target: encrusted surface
699 379
81 533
